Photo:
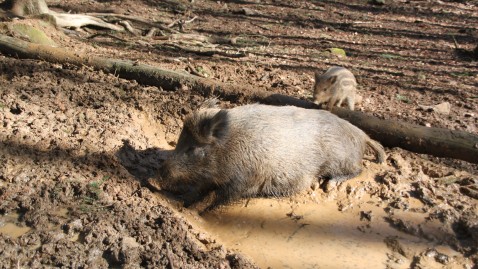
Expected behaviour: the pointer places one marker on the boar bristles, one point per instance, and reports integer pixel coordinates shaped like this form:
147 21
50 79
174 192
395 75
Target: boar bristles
209 103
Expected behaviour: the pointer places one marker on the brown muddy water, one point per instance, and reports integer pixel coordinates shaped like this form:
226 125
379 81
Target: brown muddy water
276 234
319 230
9 225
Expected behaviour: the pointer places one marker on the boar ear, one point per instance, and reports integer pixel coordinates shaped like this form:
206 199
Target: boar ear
209 103
215 127
332 80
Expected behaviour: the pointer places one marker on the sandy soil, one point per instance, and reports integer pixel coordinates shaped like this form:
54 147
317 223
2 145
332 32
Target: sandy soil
78 146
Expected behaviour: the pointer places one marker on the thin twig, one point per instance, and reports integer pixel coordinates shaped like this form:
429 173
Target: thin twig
172 24
191 20
456 43
181 22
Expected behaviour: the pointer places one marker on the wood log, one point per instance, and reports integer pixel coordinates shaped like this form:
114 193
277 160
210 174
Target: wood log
143 74
435 141
439 142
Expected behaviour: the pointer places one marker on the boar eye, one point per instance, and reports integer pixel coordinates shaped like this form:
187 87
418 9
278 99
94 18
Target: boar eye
196 151
199 151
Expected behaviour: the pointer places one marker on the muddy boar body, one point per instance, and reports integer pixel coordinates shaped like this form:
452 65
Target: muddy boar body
334 87
260 150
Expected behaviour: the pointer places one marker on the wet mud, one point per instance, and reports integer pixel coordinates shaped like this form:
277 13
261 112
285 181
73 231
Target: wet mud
79 149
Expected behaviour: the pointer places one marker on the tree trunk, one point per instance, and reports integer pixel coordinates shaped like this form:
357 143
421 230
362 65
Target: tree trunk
435 141
24 8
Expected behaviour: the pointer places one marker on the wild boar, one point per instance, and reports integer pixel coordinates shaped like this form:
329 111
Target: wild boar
261 150
333 87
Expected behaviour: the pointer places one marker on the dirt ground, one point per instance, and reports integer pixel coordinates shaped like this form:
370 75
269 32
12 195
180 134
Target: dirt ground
78 146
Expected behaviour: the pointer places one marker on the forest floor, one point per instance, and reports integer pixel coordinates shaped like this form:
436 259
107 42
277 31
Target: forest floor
78 146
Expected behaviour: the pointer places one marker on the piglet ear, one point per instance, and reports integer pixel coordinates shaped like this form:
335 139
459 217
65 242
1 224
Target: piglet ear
215 127
332 80
317 76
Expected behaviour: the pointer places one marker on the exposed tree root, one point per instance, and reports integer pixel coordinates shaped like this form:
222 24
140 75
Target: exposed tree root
24 8
134 18
181 23
77 21
128 27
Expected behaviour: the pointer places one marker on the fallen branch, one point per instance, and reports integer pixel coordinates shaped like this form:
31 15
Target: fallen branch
435 141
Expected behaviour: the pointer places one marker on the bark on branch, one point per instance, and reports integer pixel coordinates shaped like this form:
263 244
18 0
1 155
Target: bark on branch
435 141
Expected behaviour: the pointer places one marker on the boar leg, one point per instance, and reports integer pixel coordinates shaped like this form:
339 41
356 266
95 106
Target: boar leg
351 103
231 191
335 181
192 198
339 103
331 103
346 171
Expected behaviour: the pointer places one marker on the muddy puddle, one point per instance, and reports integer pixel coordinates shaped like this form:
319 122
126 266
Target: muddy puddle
319 230
10 226
13 225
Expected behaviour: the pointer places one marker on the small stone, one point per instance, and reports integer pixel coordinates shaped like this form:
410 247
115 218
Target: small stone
431 253
73 226
129 242
203 238
443 108
442 258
